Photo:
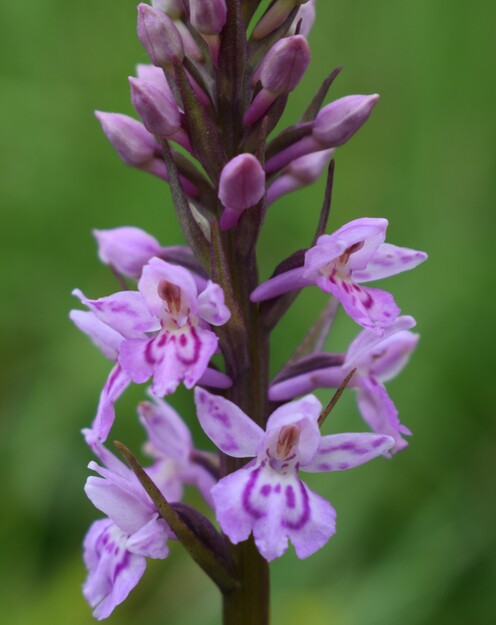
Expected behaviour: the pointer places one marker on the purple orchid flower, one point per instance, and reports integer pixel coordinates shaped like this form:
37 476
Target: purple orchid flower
266 496
181 344
340 261
376 360
116 548
170 444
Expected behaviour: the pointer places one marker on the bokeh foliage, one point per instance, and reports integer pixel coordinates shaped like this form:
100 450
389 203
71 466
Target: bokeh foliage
416 536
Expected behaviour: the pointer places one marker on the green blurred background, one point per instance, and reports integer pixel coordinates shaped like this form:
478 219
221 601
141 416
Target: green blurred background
416 536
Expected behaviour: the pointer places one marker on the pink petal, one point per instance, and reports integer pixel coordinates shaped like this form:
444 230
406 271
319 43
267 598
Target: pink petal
125 312
307 538
215 379
282 283
368 341
115 385
304 413
338 452
112 570
330 377
136 359
379 411
127 249
232 512
104 455
151 540
168 435
276 508
118 500
184 358
157 270
211 305
226 425
370 308
107 340
389 260
369 232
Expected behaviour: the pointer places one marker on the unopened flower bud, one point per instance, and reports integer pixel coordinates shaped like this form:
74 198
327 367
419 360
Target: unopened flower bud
134 144
127 249
159 36
274 17
285 63
153 75
173 8
156 108
338 121
300 173
305 17
241 186
208 16
334 125
280 72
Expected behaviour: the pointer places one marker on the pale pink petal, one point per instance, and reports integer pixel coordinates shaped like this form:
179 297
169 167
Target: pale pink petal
368 341
136 358
211 305
158 270
282 283
113 571
226 425
311 535
203 480
389 260
166 474
394 356
234 514
338 452
127 249
330 377
366 234
183 357
215 379
387 357
103 454
116 384
168 435
125 312
107 340
126 509
304 413
151 540
379 411
308 407
370 308
276 507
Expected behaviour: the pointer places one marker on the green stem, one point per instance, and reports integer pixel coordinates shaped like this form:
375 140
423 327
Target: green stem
249 605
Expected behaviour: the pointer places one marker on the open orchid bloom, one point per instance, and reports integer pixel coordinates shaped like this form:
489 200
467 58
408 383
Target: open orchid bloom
116 548
177 461
161 331
266 496
376 360
339 262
